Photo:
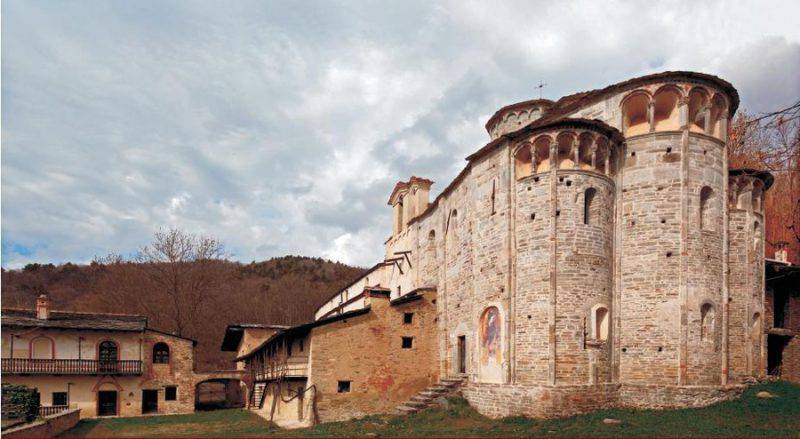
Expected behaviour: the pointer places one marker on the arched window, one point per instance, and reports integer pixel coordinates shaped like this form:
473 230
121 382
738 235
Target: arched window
431 236
452 222
634 114
589 206
706 207
41 348
706 321
599 322
107 352
161 353
666 116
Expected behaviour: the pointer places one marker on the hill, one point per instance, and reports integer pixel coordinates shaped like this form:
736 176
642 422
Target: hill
284 290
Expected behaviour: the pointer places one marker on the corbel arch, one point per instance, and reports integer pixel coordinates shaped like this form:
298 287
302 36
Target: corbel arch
587 150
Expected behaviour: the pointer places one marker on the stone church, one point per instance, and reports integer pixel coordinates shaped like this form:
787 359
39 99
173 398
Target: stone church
596 252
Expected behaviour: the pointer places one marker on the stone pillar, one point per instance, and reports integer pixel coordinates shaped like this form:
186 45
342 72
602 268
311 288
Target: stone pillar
551 317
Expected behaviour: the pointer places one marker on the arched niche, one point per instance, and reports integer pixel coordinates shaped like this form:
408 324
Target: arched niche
719 113
698 110
666 114
42 348
600 322
634 114
566 157
541 148
707 207
707 321
523 160
586 146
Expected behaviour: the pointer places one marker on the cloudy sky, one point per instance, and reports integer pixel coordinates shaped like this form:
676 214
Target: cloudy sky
281 129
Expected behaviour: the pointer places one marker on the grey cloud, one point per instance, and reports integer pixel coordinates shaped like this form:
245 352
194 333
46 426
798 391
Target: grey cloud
282 129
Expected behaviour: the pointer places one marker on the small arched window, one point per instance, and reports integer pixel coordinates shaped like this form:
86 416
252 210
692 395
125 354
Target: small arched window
756 237
589 208
707 316
706 207
600 322
431 236
161 353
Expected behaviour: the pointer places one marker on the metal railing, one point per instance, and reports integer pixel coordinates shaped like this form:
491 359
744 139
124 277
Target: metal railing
52 410
70 367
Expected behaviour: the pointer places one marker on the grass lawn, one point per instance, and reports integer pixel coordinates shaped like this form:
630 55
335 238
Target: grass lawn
745 417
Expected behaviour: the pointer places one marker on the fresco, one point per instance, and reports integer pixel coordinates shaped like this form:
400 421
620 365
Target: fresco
490 337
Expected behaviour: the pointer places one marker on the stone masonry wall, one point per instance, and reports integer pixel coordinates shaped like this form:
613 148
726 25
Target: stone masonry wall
366 350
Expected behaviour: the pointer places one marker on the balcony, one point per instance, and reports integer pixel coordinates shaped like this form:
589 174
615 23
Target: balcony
294 367
35 366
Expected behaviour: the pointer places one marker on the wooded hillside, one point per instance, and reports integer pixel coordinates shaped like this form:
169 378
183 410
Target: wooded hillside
283 290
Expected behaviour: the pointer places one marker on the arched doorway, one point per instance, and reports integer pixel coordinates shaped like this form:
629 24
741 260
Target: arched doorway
219 393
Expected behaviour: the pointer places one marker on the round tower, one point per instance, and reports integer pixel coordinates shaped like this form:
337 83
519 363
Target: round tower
564 231
672 230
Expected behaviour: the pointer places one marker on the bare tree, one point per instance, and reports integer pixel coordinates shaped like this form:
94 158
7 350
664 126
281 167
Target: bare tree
771 142
185 268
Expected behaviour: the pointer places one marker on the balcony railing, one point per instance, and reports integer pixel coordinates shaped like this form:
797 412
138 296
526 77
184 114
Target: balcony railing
71 367
294 367
51 410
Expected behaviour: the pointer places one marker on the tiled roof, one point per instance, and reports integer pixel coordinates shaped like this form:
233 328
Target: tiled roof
25 318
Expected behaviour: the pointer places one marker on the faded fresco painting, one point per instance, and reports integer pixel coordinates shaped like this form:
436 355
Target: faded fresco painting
491 354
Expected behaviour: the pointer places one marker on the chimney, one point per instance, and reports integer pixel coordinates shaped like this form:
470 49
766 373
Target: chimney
43 307
781 251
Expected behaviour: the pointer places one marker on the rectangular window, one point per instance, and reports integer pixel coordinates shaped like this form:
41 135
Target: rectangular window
343 387
408 342
60 398
170 393
408 317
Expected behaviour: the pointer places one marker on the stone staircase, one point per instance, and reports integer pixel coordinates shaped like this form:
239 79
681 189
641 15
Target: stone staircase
427 397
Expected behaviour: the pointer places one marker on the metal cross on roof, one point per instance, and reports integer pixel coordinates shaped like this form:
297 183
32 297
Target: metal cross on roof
540 87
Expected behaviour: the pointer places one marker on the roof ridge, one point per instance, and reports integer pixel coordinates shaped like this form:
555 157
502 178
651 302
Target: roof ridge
87 313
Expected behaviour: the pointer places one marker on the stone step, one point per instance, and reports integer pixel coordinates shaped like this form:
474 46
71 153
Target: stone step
452 380
405 410
430 394
417 404
422 398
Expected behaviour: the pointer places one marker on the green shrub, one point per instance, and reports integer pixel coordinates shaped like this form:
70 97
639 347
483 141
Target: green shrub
22 402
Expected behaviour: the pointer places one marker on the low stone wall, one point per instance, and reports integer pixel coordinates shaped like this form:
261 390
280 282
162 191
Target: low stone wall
500 400
49 426
668 397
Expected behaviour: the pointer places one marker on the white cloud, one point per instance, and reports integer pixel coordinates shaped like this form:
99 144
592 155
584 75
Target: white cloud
282 129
